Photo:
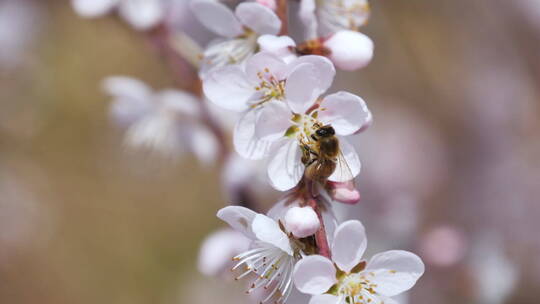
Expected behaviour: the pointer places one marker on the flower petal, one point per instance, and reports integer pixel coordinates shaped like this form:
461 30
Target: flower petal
349 245
394 271
246 143
273 121
228 88
305 84
314 275
387 300
281 46
324 69
179 102
285 168
93 8
265 65
239 218
348 166
259 18
349 50
217 17
204 145
326 299
267 230
346 112
132 98
142 14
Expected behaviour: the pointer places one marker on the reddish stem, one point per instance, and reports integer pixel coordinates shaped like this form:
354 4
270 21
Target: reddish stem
282 12
320 235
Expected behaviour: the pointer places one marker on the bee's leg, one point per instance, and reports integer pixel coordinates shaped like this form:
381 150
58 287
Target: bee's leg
314 137
306 156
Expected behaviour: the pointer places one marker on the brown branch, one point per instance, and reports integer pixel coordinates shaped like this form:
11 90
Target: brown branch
282 12
320 235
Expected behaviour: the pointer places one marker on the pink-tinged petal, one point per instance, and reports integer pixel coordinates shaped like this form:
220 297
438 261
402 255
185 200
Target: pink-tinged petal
394 271
344 192
204 145
217 17
246 143
349 245
264 66
350 50
324 69
93 8
285 168
314 275
228 88
142 14
273 121
179 102
267 230
348 166
346 112
258 17
239 218
271 4
133 99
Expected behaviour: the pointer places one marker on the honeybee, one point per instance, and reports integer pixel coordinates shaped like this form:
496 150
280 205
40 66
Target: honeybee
322 156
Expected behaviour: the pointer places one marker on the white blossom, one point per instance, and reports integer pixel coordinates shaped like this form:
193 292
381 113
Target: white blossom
167 122
387 274
239 30
264 80
272 254
141 14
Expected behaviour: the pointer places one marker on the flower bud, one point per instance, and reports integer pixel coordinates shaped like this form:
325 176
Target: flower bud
301 221
349 50
344 192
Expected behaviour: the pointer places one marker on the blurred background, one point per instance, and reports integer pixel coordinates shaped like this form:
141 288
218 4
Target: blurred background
451 165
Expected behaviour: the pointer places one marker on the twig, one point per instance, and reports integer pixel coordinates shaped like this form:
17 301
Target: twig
282 12
320 235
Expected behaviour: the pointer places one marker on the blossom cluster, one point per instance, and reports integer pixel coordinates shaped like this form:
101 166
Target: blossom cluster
274 94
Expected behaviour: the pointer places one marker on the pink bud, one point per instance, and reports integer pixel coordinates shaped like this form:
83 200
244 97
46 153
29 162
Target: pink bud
349 50
301 221
344 193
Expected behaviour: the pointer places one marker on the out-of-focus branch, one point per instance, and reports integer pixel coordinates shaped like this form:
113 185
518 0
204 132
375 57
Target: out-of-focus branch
183 63
282 12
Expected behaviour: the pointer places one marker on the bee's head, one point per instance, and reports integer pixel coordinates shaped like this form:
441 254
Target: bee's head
325 131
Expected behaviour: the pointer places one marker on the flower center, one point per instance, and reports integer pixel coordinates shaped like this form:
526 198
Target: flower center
272 267
304 127
270 87
357 288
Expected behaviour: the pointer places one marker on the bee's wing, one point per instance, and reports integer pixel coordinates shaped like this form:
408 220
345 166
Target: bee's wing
347 164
